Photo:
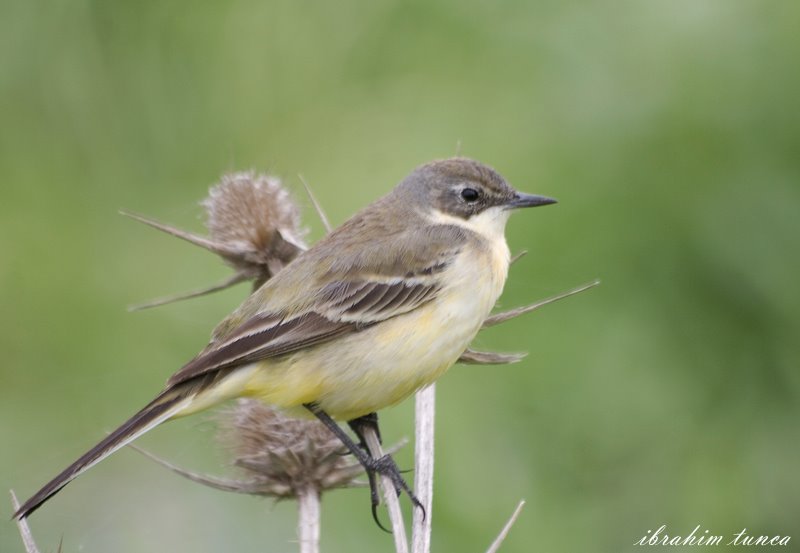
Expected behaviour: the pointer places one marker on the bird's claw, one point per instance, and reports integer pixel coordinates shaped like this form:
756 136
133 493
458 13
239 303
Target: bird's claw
385 466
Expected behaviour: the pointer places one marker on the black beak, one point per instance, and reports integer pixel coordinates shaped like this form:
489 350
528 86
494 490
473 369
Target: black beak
528 200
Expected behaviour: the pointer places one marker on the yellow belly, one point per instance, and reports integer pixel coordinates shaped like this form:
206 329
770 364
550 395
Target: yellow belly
366 371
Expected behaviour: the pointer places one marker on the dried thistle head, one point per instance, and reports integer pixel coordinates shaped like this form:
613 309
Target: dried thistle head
254 227
282 456
253 217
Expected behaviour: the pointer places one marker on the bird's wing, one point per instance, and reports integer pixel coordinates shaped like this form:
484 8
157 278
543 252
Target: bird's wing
341 306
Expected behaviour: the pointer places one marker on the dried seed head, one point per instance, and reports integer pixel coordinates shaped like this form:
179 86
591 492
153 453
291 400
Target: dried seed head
254 226
254 218
245 209
282 456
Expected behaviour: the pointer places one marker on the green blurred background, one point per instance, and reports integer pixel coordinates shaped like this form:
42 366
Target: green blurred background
668 130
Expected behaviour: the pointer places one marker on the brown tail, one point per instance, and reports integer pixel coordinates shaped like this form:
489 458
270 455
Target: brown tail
156 412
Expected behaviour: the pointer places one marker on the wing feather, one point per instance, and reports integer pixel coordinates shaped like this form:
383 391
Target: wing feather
267 325
267 336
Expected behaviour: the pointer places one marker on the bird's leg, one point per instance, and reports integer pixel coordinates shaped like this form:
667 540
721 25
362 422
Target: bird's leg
367 421
361 453
358 425
384 465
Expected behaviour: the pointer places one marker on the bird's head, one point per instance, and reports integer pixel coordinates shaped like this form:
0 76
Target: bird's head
464 192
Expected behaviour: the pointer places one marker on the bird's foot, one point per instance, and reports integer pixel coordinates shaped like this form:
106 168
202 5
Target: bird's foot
385 466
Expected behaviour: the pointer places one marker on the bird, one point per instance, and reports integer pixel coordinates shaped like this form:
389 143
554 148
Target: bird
378 309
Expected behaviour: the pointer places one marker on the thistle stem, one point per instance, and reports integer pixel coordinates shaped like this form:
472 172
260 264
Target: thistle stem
389 494
506 529
24 529
308 517
423 468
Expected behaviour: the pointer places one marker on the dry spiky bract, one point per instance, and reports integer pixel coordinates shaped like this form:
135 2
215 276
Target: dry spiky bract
254 215
254 227
282 456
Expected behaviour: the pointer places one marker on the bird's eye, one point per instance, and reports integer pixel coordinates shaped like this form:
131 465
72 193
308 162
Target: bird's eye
470 195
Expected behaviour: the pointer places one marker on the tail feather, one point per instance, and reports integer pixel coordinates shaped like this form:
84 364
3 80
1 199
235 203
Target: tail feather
157 411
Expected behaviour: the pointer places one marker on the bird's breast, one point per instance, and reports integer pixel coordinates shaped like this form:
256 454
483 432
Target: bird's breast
381 365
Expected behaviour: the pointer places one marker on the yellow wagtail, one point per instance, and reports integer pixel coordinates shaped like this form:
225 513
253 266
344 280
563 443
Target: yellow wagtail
376 310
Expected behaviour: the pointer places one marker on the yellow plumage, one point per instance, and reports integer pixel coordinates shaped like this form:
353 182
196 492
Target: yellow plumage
364 372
